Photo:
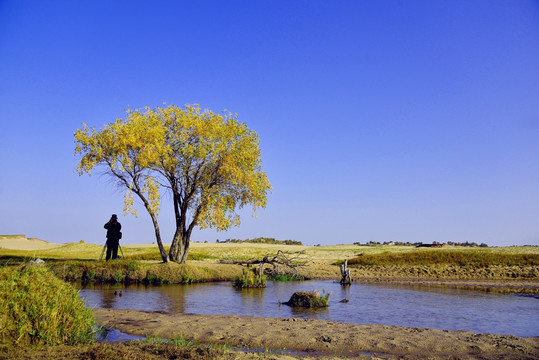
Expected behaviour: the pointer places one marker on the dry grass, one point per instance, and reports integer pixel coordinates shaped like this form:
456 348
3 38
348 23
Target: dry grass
461 257
245 251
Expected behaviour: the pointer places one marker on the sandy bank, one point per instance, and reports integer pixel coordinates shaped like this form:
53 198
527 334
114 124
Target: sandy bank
310 335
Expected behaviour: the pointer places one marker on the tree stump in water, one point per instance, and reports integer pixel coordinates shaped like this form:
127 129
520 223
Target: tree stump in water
346 277
310 299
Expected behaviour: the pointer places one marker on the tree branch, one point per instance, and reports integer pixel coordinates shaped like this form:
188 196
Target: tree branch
289 260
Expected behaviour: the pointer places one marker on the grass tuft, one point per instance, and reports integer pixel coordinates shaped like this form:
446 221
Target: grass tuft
38 308
250 279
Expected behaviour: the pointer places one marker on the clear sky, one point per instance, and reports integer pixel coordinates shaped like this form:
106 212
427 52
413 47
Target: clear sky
379 120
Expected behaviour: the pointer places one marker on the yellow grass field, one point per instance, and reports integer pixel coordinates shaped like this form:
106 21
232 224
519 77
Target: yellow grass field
512 268
18 245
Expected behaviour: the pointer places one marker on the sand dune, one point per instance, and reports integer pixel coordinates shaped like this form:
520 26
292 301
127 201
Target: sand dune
21 242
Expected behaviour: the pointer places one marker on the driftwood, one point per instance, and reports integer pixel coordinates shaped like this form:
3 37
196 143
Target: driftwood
283 262
346 277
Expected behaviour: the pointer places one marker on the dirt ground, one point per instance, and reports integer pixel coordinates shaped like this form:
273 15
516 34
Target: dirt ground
323 338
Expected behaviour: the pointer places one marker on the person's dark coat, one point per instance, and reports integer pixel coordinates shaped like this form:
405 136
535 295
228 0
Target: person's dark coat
113 238
113 230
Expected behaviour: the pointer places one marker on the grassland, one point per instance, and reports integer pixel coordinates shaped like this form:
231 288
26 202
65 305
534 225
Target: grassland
78 262
245 251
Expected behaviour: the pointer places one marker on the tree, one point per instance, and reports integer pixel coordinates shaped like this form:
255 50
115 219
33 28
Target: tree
209 163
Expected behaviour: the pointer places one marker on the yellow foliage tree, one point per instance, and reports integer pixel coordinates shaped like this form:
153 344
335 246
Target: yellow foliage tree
209 162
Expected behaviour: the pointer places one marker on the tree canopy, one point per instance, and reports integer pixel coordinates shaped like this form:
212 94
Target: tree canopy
209 162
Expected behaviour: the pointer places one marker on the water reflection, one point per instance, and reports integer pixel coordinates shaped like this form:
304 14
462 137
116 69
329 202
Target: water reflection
401 305
253 298
108 299
141 297
306 313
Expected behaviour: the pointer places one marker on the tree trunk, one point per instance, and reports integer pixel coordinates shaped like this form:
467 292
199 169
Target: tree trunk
186 238
155 225
180 242
185 250
176 244
175 247
179 248
158 238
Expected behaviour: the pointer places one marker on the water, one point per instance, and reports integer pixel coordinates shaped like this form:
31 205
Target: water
114 335
410 306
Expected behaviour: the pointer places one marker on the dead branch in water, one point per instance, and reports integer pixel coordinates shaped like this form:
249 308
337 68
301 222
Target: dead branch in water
346 276
283 262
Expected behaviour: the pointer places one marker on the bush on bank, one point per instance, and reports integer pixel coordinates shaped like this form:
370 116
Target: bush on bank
38 308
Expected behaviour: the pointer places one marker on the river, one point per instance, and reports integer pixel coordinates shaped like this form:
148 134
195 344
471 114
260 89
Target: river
410 306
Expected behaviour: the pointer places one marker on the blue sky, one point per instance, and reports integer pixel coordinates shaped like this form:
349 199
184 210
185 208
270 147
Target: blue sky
379 120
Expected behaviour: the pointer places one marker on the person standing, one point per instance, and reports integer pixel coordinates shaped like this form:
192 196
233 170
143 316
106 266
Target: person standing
113 237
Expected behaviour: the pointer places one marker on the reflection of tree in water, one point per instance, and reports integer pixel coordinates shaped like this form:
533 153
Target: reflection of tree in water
251 297
175 294
139 297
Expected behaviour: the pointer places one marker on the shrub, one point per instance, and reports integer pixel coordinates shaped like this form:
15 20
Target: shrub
308 299
39 308
250 279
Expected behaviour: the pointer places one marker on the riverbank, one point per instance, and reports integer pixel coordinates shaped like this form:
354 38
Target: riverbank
321 337
515 279
278 338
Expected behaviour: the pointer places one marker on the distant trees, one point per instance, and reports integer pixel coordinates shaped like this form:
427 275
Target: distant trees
419 244
209 164
262 240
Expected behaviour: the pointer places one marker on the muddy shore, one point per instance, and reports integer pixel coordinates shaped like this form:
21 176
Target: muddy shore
321 338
